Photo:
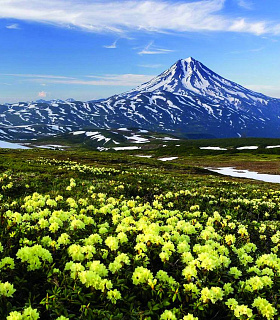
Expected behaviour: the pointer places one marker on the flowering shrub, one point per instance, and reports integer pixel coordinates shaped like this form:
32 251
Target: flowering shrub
106 243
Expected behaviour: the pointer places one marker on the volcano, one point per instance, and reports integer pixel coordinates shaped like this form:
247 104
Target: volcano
188 100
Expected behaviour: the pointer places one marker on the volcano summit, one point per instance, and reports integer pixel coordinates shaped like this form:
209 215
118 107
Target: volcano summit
188 99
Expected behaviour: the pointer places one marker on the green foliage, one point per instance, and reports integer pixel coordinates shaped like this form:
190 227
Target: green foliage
104 240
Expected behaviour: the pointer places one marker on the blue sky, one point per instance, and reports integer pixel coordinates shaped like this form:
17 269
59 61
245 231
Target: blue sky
88 49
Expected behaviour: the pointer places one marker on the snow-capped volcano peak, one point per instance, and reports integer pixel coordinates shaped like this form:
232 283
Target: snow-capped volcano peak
188 60
183 76
189 74
187 98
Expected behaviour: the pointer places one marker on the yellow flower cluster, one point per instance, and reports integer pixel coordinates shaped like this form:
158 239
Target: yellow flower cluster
177 249
27 314
34 256
6 289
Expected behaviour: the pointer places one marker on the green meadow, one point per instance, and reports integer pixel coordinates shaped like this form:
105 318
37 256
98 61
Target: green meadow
110 235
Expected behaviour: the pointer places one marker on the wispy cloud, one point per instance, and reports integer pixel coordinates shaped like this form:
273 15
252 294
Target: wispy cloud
130 15
152 66
246 4
270 39
105 80
151 49
13 26
246 51
257 49
241 25
112 46
41 76
127 80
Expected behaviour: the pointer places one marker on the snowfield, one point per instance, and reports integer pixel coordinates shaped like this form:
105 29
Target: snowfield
126 148
212 148
248 148
167 159
9 145
229 171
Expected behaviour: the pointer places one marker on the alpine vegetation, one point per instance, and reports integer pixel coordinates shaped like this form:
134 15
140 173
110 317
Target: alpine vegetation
88 242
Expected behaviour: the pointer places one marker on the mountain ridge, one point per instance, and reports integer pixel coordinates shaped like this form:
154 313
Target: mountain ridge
188 98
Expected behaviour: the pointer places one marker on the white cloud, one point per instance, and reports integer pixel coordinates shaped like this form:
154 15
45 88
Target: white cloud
42 94
152 66
257 28
130 80
257 49
13 26
112 46
246 4
106 80
246 51
130 15
41 76
150 49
